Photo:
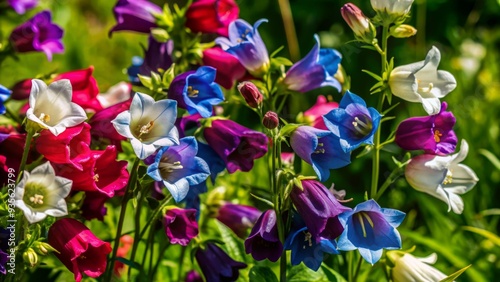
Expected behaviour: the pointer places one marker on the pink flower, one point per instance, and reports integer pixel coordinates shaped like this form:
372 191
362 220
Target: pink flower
85 88
102 128
314 116
181 225
211 16
78 248
116 94
229 68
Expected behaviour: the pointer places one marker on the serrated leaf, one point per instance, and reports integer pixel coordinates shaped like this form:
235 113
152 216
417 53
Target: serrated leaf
455 275
262 274
233 244
376 76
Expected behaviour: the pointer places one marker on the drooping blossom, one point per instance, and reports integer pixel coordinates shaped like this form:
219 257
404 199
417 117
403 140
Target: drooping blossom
238 218
84 87
78 248
51 107
353 122
135 15
422 82
180 225
4 95
216 265
117 93
315 70
410 268
434 134
319 209
21 6
314 115
370 229
263 242
41 193
157 56
148 125
38 34
235 144
179 167
211 16
443 177
229 68
244 42
319 148
196 91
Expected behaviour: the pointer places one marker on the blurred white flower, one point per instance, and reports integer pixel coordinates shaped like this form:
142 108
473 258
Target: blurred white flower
117 93
442 177
51 107
408 268
41 193
395 7
423 82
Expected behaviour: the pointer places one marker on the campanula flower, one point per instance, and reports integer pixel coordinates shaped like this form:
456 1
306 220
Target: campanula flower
38 34
4 95
229 68
180 225
245 43
434 134
21 6
319 209
319 148
217 164
211 16
41 193
392 7
315 70
410 268
78 248
422 82
101 127
178 167
196 91
353 122
238 218
314 115
157 56
117 93
148 124
135 15
442 177
370 229
51 107
263 241
93 204
11 152
84 87
235 144
216 265
359 23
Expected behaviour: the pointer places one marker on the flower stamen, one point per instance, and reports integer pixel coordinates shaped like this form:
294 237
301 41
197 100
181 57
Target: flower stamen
44 117
437 136
96 177
193 93
320 150
449 178
169 167
37 199
145 129
361 127
307 238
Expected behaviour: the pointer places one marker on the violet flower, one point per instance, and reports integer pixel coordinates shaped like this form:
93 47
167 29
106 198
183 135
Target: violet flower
157 56
38 34
216 265
263 242
238 218
135 15
21 6
434 134
4 95
181 225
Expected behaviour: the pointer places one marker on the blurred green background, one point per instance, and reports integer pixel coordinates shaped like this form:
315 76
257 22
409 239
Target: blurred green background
466 32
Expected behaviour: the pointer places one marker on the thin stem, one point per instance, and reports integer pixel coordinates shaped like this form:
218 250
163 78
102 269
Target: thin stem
155 214
392 177
181 260
358 267
130 188
291 35
137 222
26 151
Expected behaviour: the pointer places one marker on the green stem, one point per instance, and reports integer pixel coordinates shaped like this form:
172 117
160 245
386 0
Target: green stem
128 192
358 267
24 158
155 215
291 35
181 260
392 177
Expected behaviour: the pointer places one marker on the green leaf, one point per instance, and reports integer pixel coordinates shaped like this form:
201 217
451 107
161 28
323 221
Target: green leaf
455 275
302 273
277 51
152 202
485 233
146 81
129 263
491 157
281 61
262 274
233 244
377 77
332 275
288 129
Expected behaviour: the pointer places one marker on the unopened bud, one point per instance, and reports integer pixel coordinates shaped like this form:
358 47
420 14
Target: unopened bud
403 31
30 256
251 93
43 248
270 120
359 23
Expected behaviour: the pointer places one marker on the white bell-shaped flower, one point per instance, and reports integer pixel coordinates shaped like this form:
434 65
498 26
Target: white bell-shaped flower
410 268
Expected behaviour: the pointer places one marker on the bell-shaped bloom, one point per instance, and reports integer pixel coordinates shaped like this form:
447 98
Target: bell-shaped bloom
244 42
211 16
314 115
353 122
263 242
216 265
422 82
78 248
238 218
100 172
370 229
196 91
41 193
102 129
178 167
21 6
11 152
217 164
395 7
84 87
434 134
148 124
38 34
442 177
410 268
181 225
235 144
70 147
229 68
117 93
135 15
51 107
4 95
315 70
319 148
319 209
157 56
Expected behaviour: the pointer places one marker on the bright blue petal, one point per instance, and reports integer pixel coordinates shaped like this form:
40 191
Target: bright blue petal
178 190
330 60
394 217
350 98
333 157
371 256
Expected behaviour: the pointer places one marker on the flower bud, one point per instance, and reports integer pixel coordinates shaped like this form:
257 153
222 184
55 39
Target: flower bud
30 257
403 31
251 93
43 248
359 23
21 90
270 120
